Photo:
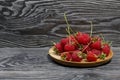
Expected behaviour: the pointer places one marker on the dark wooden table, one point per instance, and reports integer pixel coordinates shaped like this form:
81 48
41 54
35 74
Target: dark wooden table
27 28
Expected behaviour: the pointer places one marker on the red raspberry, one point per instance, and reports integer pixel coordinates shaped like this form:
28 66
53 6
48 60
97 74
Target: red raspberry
64 41
91 56
83 38
69 47
96 45
86 48
106 49
97 52
76 56
59 47
66 56
73 40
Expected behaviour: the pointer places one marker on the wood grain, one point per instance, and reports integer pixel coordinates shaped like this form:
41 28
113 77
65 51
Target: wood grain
27 28
34 63
26 23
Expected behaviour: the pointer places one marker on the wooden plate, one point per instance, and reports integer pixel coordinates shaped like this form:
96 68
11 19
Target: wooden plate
58 59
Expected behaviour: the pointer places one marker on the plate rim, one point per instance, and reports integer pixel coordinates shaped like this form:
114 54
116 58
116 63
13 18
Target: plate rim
80 64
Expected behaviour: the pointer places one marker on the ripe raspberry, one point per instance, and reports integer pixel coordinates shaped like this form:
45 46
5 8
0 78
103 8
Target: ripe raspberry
64 41
91 57
69 47
83 38
66 56
97 52
96 45
59 47
106 49
76 56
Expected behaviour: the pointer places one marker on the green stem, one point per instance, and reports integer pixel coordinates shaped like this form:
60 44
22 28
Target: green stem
68 25
53 43
72 30
110 43
91 31
86 46
102 37
68 31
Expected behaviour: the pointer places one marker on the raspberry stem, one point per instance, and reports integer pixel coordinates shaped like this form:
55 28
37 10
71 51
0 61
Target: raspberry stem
104 41
91 31
102 37
86 46
53 43
69 30
68 25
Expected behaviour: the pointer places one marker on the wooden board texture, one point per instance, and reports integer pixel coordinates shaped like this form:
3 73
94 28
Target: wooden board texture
35 23
35 64
27 28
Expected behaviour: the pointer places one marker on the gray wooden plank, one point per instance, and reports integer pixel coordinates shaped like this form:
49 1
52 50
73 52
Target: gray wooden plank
28 23
35 23
34 63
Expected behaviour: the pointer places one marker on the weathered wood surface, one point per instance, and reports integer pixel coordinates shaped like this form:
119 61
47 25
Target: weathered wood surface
33 24
35 64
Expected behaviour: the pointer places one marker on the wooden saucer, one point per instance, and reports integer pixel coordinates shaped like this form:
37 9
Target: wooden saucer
99 62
